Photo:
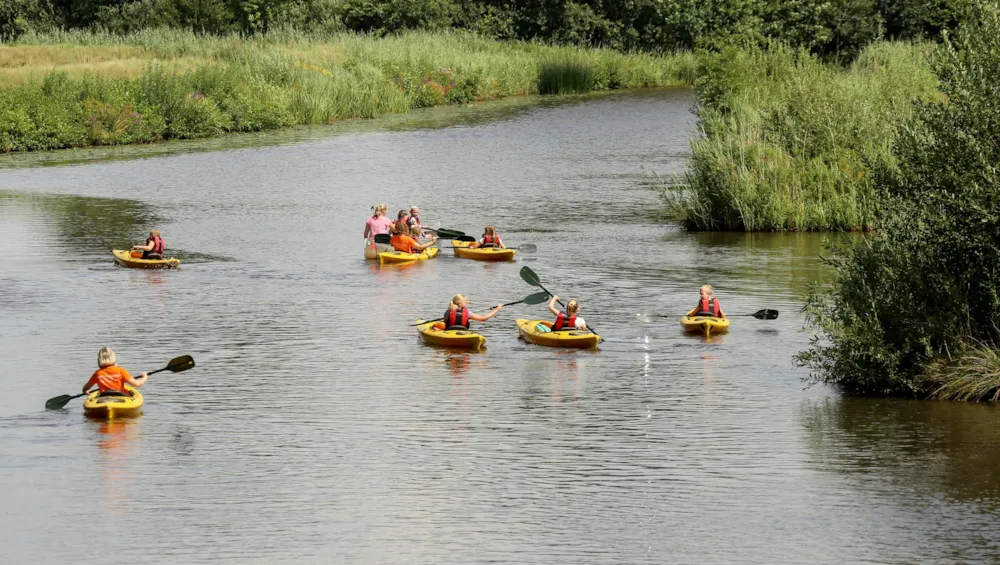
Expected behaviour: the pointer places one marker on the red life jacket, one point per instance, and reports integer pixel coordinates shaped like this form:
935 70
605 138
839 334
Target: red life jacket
708 307
564 322
491 241
157 245
452 319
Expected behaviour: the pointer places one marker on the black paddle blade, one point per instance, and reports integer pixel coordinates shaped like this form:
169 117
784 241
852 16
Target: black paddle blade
537 298
766 314
444 233
465 238
180 364
58 402
530 277
527 248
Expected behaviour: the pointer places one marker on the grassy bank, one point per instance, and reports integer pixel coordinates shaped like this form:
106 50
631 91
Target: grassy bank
788 141
78 89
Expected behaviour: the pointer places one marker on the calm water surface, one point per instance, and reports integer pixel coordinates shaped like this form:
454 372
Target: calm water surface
316 428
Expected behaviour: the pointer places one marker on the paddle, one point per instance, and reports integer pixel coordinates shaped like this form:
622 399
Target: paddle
537 298
445 233
759 314
531 278
524 247
174 366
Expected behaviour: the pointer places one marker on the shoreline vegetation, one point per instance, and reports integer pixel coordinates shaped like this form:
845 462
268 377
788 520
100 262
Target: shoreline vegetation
78 89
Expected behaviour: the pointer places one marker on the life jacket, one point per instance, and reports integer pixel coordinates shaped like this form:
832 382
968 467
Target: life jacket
564 322
452 319
157 246
491 241
708 307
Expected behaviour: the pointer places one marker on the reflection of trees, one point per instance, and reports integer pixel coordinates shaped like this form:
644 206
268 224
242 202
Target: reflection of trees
85 224
945 448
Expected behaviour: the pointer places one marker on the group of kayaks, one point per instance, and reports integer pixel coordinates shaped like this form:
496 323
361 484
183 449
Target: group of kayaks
463 249
538 332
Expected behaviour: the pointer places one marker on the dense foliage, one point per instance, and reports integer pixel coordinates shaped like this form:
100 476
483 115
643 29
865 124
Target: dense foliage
838 28
789 140
916 306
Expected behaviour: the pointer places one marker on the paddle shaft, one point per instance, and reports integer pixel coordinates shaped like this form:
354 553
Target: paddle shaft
538 283
440 319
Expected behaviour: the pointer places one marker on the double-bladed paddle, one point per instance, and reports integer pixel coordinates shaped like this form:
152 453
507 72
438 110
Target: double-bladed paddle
759 314
537 298
531 278
445 233
174 366
524 247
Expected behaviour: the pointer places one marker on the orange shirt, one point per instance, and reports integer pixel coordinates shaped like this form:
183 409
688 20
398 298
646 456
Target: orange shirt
404 243
110 378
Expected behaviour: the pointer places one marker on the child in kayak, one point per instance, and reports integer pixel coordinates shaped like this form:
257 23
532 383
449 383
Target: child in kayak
708 305
567 320
110 378
458 316
153 249
401 241
378 223
490 239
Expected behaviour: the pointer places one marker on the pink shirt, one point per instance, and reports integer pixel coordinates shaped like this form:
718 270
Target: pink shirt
375 226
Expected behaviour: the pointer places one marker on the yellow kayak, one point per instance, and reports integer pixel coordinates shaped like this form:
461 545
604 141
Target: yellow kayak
404 257
707 325
465 250
124 258
435 334
110 407
567 338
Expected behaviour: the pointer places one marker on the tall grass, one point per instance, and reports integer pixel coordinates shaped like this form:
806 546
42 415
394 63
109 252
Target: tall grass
171 84
789 141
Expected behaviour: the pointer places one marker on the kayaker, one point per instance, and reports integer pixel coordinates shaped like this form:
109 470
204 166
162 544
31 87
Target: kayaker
490 239
379 223
567 320
401 241
458 316
414 217
110 378
153 249
401 218
708 305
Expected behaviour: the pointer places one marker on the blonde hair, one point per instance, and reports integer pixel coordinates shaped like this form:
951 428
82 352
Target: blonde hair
707 287
490 230
105 357
378 208
154 233
458 301
415 231
572 306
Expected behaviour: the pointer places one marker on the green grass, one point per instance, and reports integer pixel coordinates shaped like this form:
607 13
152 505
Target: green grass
788 142
73 89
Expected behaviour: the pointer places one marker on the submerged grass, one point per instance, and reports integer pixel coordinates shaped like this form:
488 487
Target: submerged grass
789 141
71 89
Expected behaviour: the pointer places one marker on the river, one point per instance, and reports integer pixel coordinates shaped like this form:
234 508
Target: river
317 429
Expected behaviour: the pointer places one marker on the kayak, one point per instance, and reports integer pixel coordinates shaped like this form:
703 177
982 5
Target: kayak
404 257
540 332
463 249
704 324
435 334
124 258
109 407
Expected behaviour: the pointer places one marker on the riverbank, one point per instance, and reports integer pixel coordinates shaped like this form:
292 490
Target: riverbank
789 141
84 89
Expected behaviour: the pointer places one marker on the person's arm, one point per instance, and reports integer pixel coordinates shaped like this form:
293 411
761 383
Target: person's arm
581 324
147 247
89 384
492 313
426 245
368 229
500 244
134 381
721 313
552 306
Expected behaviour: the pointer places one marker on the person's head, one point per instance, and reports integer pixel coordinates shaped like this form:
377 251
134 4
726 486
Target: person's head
490 231
458 302
415 231
154 233
105 357
706 292
401 215
400 228
379 210
414 211
572 307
